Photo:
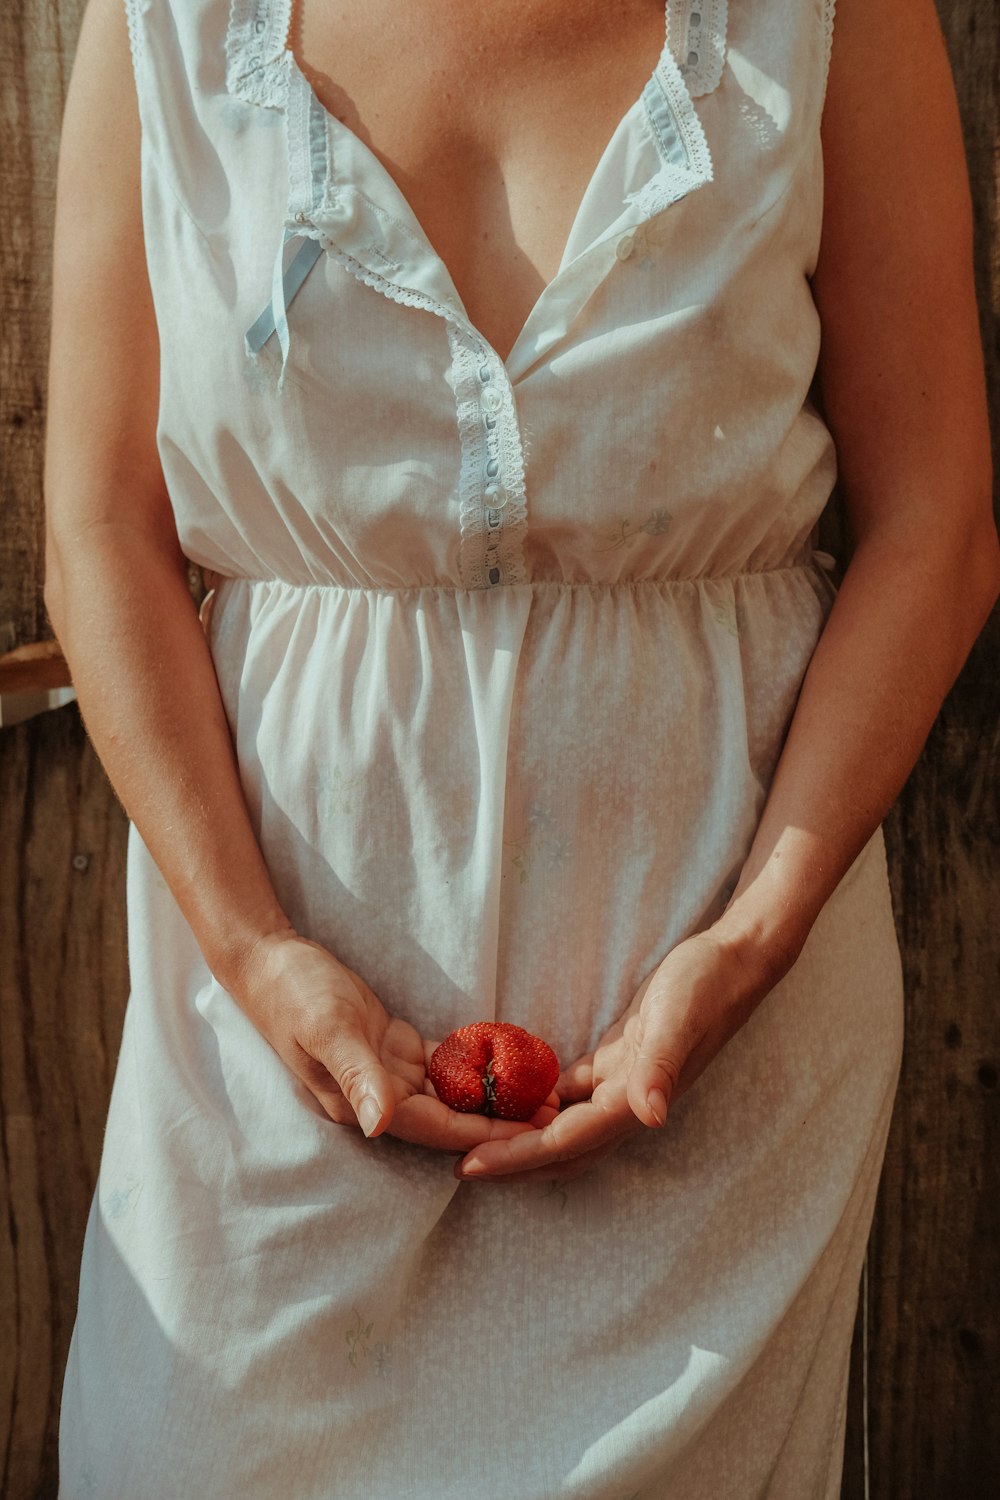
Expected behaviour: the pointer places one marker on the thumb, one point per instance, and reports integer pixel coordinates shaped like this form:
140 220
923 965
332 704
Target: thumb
653 1076
365 1083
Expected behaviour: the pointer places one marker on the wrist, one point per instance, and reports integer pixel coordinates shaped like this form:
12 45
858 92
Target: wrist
244 953
765 931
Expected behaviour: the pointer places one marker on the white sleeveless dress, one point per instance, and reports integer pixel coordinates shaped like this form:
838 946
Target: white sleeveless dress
508 650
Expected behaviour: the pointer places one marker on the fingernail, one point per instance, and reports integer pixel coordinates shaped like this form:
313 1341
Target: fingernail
473 1169
657 1105
369 1114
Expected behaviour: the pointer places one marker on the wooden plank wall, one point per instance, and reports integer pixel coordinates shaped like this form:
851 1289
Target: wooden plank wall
923 1420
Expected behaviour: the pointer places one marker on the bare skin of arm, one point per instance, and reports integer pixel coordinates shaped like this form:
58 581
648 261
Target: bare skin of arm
118 599
903 387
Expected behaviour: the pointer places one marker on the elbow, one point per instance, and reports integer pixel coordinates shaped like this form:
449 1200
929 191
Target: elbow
981 561
983 570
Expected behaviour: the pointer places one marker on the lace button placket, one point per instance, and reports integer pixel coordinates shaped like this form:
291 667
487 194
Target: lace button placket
491 477
491 403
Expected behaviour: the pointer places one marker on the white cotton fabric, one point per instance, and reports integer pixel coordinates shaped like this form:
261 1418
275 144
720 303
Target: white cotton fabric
503 748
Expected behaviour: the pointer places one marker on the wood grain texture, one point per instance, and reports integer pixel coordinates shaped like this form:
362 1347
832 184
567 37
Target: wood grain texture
63 987
37 40
928 1351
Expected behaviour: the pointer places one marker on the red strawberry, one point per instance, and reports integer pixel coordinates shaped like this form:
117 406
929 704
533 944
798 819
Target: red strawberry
494 1068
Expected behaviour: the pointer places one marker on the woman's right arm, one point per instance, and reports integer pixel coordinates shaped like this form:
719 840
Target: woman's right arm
117 595
115 585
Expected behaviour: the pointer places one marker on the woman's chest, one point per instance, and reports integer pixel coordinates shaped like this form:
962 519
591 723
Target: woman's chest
490 119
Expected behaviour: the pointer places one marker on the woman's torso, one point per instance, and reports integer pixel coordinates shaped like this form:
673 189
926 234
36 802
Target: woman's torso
420 537
658 387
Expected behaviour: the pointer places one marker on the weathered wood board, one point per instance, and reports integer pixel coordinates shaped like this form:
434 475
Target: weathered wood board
63 987
923 1418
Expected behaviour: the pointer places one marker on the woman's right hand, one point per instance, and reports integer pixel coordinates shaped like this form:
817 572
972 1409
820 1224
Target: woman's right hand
366 1068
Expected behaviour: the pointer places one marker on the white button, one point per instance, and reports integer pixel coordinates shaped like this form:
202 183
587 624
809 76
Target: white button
625 246
492 400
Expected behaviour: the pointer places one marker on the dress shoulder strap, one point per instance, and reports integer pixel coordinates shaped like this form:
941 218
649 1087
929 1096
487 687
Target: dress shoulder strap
696 35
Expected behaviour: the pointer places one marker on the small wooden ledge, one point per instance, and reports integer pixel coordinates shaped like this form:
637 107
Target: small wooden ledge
34 669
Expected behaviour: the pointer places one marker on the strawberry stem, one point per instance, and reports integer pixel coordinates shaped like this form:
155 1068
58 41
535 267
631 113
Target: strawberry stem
489 1088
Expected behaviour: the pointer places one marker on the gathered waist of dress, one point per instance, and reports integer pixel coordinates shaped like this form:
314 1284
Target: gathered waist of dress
214 578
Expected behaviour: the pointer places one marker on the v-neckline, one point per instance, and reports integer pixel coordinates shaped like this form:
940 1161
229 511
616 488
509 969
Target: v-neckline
664 102
372 158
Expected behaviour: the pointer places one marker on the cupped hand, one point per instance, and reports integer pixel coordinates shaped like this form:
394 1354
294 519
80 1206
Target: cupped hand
682 1015
367 1069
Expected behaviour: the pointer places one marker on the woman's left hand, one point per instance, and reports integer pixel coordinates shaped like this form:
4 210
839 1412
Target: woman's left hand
683 1013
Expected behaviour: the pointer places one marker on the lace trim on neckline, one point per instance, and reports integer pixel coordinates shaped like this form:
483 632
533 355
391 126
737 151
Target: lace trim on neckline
261 69
696 34
829 18
255 51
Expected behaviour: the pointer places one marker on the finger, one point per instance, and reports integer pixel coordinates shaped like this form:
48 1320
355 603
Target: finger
573 1132
665 1044
338 1108
355 1068
545 1113
401 1050
577 1081
557 1172
425 1121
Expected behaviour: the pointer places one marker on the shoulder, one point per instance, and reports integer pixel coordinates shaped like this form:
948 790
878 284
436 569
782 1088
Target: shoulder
100 133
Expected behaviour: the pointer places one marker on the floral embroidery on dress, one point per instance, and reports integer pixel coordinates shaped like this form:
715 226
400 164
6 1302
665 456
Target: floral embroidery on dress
86 1483
541 832
360 1347
122 1198
335 794
655 524
519 861
731 615
357 1337
557 1189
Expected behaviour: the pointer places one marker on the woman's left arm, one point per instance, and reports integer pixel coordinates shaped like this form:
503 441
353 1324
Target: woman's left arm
903 391
904 394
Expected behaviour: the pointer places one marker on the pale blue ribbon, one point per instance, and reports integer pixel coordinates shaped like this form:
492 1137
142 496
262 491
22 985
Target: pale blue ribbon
284 285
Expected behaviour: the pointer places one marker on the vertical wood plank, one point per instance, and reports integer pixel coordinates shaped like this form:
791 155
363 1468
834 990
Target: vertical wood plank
63 987
37 41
